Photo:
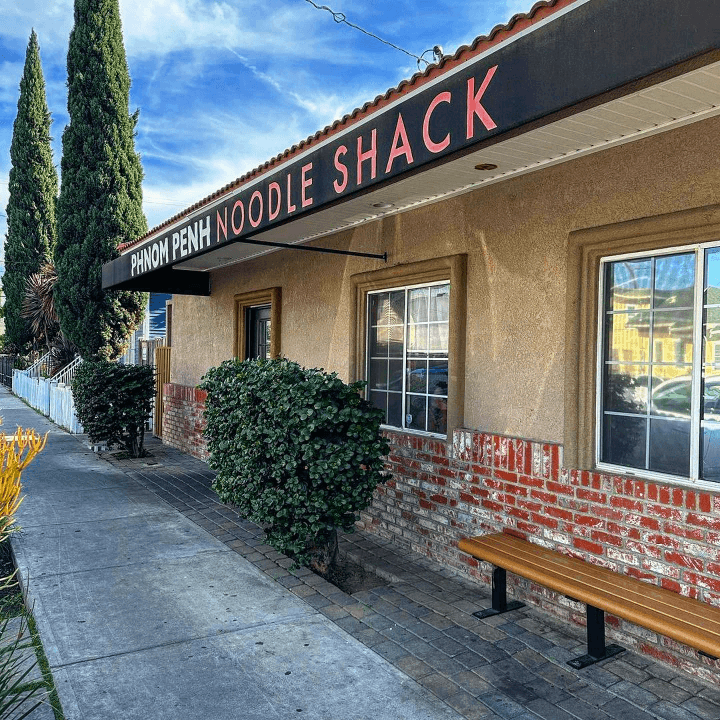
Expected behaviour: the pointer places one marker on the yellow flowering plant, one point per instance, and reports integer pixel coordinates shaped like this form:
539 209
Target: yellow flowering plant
16 453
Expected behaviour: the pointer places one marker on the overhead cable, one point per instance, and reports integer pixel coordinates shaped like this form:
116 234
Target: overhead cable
340 18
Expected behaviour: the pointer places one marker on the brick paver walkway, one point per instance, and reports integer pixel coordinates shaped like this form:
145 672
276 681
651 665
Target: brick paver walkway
510 666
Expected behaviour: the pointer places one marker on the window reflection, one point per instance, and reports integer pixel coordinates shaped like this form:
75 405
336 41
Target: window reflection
628 283
407 368
674 281
647 363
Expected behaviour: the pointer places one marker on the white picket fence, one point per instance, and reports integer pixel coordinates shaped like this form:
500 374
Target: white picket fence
50 397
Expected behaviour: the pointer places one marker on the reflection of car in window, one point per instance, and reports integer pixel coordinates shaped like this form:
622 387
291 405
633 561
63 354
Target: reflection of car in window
672 398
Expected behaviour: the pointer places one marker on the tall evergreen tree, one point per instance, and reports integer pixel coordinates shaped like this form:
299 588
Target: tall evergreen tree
33 185
100 203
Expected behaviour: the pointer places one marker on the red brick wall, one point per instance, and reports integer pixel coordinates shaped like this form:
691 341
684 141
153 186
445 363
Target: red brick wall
666 535
183 422
441 492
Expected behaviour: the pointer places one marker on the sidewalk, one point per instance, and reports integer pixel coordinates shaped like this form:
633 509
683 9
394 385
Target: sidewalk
153 600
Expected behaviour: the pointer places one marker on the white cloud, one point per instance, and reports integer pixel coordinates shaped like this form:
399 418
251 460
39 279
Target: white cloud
246 26
52 20
518 6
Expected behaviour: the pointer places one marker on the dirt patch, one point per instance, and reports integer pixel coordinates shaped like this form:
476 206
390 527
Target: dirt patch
350 577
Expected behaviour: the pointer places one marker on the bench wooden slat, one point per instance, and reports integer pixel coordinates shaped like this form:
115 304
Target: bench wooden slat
653 604
684 619
593 577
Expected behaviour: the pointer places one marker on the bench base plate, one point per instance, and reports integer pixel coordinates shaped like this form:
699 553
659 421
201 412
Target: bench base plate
584 660
491 612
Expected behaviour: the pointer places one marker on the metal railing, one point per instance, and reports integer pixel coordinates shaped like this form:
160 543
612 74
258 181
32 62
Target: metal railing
66 375
7 365
40 368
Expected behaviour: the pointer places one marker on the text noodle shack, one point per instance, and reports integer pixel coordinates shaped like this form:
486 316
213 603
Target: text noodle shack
422 128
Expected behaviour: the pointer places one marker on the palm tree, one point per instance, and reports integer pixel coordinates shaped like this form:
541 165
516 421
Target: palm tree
39 309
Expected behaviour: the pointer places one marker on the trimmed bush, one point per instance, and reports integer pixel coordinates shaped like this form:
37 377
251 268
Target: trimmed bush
295 449
113 402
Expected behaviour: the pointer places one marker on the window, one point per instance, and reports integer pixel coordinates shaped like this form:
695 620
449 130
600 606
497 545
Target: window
409 342
659 406
407 356
257 324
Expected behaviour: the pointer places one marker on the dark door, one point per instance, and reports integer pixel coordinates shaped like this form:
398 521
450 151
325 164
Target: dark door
258 332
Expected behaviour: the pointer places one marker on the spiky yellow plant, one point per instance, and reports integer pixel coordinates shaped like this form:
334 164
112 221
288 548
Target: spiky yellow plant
16 453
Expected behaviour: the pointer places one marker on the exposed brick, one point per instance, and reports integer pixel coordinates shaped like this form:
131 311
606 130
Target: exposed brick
627 504
588 546
703 521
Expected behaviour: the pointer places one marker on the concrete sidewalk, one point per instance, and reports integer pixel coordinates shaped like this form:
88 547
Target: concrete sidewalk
143 614
155 600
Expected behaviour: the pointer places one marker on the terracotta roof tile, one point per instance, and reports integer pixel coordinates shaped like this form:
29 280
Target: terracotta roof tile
519 22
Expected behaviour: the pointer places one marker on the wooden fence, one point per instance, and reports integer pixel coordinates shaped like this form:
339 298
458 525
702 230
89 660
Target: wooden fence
162 376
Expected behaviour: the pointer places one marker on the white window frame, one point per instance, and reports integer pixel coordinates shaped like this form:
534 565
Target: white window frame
368 326
697 365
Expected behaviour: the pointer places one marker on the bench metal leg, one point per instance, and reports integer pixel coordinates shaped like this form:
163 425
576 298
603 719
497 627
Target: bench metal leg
499 597
596 648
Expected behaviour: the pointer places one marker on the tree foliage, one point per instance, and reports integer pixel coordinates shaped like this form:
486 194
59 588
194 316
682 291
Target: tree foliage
295 448
33 187
100 204
113 402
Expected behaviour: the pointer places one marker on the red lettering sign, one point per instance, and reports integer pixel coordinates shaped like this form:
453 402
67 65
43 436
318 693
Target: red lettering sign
429 144
400 145
474 106
342 169
370 155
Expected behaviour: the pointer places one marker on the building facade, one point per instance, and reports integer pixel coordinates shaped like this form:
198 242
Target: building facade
528 279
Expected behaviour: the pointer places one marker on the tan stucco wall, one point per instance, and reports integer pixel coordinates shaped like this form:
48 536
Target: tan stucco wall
515 235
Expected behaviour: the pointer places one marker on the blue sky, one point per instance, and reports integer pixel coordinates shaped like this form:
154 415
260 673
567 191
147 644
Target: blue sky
224 86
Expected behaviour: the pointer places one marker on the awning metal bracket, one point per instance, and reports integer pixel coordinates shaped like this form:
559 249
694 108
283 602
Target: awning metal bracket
333 251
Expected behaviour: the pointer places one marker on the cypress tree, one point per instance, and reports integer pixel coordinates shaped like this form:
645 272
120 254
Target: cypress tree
33 186
100 204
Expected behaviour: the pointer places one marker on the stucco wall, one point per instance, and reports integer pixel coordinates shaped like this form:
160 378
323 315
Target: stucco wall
515 235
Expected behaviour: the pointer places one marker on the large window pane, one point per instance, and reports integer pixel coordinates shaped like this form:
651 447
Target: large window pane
417 341
674 281
439 303
711 393
379 342
672 398
438 338
710 451
628 285
377 308
379 400
437 415
624 440
625 388
396 340
670 327
416 412
395 407
670 447
628 337
438 377
417 376
712 276
378 377
395 375
418 305
387 308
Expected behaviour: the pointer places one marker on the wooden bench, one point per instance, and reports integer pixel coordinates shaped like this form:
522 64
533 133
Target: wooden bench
686 620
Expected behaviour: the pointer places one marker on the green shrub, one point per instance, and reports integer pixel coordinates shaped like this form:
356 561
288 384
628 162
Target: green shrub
113 402
296 449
